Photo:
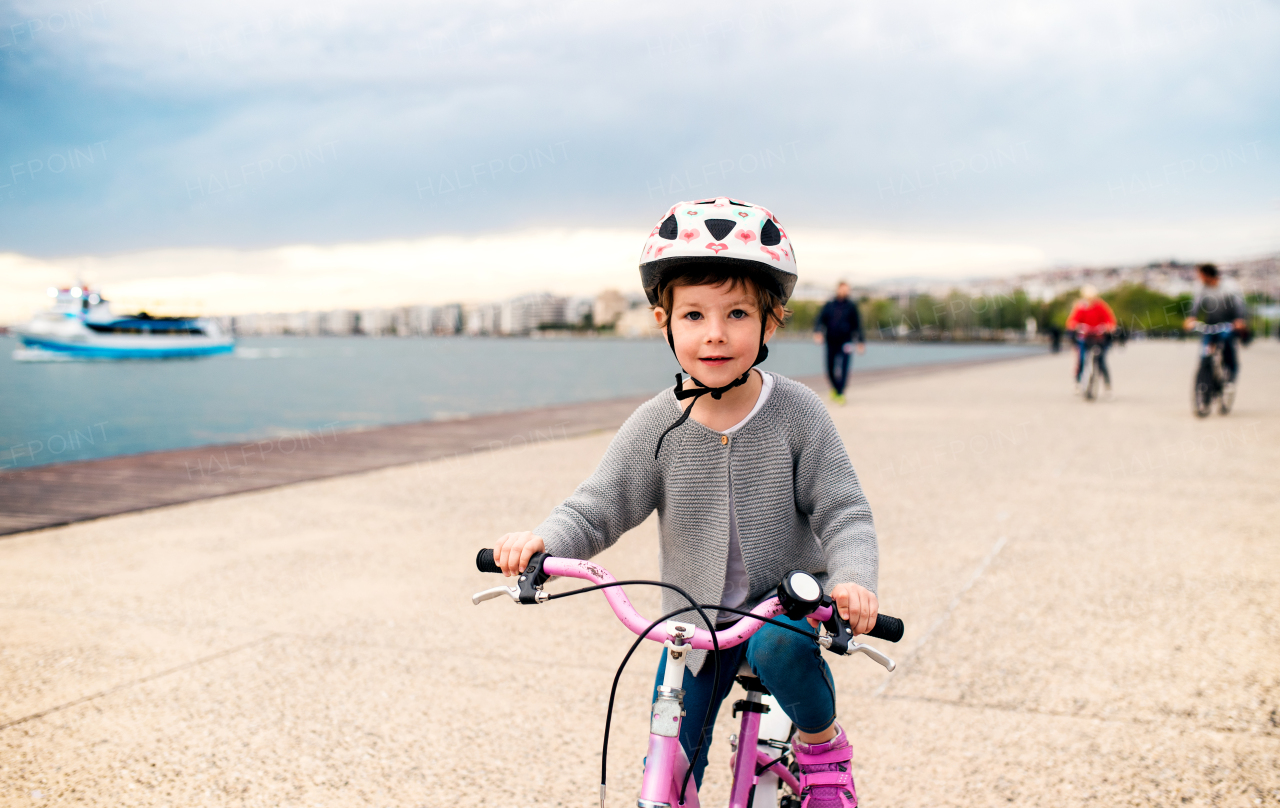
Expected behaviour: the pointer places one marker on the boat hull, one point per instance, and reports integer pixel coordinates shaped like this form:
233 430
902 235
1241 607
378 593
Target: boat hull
143 348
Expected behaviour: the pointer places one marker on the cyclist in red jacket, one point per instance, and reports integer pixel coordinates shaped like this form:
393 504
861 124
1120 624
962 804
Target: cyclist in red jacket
1092 320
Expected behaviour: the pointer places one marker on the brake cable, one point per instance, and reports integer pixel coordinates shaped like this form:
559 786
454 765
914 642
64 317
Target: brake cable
715 642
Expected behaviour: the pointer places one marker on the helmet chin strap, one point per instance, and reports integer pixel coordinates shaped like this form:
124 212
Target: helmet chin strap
702 389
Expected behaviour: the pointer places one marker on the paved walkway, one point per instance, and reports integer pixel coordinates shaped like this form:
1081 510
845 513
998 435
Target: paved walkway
1090 592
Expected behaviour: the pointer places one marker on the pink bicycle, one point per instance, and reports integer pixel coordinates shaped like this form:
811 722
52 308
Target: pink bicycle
765 779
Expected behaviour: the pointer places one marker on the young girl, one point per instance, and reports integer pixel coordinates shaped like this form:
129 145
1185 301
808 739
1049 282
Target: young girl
748 475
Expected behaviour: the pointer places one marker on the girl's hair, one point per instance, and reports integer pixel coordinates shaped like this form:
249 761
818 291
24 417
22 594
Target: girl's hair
714 274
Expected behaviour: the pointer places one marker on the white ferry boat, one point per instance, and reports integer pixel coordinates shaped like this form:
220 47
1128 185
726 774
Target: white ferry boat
80 325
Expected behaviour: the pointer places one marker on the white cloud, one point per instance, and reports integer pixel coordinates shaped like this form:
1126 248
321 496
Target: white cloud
1095 93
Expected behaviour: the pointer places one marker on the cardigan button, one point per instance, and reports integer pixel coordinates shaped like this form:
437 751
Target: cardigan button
724 440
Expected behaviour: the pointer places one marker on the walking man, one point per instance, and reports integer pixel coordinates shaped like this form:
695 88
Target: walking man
841 323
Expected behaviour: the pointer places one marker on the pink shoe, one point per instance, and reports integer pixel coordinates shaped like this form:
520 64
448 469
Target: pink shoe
825 781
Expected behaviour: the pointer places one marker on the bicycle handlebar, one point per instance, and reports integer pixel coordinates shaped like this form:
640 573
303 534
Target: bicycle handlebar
886 628
485 562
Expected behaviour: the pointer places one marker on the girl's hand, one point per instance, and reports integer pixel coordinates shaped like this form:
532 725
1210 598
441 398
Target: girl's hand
513 551
856 605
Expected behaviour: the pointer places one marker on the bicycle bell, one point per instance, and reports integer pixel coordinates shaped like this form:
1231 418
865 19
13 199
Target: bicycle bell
799 593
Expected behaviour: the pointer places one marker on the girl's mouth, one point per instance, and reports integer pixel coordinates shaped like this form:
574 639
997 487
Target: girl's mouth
715 361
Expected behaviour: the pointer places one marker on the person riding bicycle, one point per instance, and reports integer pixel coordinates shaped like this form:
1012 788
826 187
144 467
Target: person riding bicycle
747 473
1092 322
1216 303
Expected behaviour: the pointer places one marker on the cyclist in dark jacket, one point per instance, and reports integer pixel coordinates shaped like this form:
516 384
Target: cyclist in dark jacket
1216 303
841 323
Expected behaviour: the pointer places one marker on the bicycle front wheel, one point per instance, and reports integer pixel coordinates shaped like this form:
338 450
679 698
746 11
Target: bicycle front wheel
1228 399
1203 392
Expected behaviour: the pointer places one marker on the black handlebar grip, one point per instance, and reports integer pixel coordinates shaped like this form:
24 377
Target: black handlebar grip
484 561
887 628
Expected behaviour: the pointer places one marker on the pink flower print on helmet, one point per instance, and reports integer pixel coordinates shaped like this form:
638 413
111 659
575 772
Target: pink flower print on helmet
751 236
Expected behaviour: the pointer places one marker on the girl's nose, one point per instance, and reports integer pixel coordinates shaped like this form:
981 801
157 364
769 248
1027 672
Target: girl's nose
716 332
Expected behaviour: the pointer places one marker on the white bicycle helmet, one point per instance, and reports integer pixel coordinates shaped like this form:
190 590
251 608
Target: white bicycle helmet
722 230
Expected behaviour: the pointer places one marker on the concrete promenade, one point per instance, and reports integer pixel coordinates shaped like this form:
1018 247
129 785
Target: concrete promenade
1091 594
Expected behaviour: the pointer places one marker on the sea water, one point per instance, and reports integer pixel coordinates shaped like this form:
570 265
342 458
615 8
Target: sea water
55 412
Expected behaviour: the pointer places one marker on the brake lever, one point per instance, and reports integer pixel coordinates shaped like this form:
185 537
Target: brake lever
840 639
875 654
826 641
528 588
496 592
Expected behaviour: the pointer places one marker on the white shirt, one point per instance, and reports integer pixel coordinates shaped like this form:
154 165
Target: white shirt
737 585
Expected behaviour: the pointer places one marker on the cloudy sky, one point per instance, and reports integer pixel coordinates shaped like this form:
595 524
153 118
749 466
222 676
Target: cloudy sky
238 156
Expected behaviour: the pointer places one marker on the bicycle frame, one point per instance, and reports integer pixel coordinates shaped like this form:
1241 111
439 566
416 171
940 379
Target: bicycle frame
666 762
774 730
750 760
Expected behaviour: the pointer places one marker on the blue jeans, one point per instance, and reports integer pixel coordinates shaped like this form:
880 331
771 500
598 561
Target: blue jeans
789 665
838 364
1082 349
1229 361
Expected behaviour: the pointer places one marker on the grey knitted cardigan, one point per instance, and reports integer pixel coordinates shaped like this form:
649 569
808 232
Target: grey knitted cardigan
798 502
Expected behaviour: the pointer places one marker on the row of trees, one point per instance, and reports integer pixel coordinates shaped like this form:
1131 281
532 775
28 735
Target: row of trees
1137 308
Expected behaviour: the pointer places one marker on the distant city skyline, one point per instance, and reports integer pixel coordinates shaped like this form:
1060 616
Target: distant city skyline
629 314
387 275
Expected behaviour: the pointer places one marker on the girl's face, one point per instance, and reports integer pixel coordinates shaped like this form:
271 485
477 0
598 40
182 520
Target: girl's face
716 330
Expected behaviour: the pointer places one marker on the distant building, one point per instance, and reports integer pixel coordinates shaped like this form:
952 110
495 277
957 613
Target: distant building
265 324
303 323
338 323
483 318
524 314
637 323
608 307
446 320
579 311
400 324
376 322
418 320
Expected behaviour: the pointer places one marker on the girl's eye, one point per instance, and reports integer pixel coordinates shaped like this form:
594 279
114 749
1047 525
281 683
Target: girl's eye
693 315
737 314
